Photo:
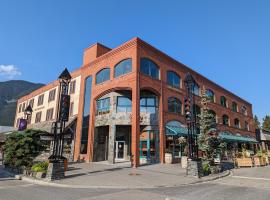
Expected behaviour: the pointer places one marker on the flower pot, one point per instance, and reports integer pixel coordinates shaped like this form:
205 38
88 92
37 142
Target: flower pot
40 175
168 158
184 161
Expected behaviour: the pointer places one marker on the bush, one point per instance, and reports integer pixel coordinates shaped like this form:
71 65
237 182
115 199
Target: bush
206 168
21 148
40 167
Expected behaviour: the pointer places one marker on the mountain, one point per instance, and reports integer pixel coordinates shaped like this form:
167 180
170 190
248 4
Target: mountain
10 92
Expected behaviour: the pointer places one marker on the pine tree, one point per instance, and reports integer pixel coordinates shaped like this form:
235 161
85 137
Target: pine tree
266 123
257 122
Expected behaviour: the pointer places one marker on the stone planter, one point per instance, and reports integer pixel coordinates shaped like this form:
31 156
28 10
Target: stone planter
40 175
184 161
168 158
244 162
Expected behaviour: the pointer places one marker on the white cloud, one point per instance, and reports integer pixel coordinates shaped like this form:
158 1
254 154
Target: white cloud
9 71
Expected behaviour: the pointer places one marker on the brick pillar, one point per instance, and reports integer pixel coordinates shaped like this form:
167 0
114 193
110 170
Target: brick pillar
111 146
162 141
91 132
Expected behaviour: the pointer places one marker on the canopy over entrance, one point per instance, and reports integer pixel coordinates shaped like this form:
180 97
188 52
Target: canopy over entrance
236 138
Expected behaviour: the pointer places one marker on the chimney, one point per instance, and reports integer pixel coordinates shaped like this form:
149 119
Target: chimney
93 52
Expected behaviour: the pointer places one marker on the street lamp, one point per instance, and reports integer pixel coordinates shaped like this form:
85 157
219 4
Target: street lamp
56 166
27 118
191 116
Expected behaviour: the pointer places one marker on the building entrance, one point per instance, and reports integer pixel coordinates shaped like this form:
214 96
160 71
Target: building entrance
119 151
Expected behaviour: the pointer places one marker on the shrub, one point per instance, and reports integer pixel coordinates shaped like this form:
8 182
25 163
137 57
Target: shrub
206 168
21 148
40 167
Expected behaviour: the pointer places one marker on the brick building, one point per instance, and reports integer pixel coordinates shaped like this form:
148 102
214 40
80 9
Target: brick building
129 100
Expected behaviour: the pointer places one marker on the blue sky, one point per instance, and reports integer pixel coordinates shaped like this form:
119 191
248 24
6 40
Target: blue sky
227 41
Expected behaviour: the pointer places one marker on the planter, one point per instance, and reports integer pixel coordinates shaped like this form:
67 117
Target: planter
259 161
244 162
184 161
168 158
40 175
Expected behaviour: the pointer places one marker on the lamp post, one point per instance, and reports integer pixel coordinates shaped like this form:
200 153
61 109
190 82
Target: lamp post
56 166
194 166
28 113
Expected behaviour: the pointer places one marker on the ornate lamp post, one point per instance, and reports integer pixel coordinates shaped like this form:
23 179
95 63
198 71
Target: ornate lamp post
194 167
56 166
27 118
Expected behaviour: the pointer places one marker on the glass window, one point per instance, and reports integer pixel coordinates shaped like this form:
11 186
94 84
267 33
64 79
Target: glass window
72 87
173 79
103 75
225 120
123 104
214 115
49 114
246 126
174 105
234 107
211 95
148 104
223 101
236 123
103 106
196 89
124 67
40 99
149 68
244 110
51 95
86 114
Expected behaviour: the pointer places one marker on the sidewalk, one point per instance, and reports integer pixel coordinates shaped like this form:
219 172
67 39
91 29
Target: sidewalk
102 175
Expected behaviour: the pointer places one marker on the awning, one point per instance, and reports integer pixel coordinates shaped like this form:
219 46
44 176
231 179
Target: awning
176 131
236 138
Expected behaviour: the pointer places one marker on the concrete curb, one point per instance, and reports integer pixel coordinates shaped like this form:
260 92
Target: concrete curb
54 184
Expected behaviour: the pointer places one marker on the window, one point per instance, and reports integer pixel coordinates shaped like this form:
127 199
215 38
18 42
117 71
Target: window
214 116
72 87
38 117
51 95
40 99
103 106
174 105
149 68
211 95
223 101
148 104
86 115
173 79
49 114
103 75
225 120
71 109
23 107
123 67
123 104
20 108
31 103
246 126
236 123
196 89
196 110
234 107
244 110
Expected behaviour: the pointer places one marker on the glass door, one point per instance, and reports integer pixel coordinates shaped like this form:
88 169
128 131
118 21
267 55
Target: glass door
120 150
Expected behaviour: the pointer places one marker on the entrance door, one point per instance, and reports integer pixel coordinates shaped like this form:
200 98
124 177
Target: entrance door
119 150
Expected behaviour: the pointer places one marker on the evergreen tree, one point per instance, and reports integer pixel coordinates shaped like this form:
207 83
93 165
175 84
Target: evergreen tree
257 122
266 123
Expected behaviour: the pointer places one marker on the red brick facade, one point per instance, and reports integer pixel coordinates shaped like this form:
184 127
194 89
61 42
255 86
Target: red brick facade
98 56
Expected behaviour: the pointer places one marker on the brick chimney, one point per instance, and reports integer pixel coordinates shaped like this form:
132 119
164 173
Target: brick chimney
93 52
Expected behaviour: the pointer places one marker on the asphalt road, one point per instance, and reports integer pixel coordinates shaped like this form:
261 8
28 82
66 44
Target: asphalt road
228 188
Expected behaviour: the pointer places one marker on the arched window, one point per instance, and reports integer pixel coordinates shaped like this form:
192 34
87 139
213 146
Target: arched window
174 105
236 123
211 95
196 110
225 119
123 67
149 68
214 115
244 110
103 75
223 101
173 79
234 106
246 126
148 102
196 90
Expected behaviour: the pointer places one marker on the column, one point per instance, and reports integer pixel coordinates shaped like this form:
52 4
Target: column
111 146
